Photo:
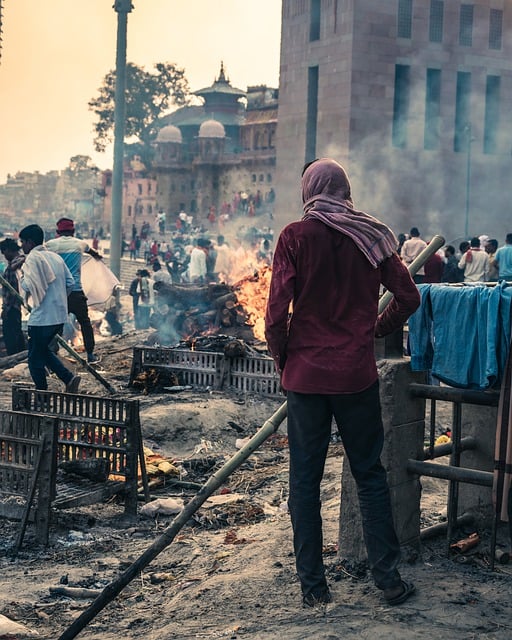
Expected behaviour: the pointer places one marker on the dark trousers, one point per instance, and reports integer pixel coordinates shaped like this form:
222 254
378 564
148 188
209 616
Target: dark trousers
116 328
359 421
40 355
77 304
14 339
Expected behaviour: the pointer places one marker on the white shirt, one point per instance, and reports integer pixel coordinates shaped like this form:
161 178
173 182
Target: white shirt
197 266
53 308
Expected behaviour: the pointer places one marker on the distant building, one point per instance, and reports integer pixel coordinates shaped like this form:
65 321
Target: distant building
412 96
207 155
139 197
28 197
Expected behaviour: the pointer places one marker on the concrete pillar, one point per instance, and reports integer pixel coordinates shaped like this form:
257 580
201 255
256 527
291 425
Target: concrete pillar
404 422
479 422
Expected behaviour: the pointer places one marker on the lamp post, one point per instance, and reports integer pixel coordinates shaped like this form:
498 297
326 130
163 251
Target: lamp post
469 140
123 8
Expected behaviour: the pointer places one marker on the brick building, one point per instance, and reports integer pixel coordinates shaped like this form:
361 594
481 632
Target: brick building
412 96
208 153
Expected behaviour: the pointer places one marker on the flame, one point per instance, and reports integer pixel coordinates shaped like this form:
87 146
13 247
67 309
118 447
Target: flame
252 293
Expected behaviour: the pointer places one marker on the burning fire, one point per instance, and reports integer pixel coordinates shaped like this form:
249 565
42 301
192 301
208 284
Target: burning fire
252 293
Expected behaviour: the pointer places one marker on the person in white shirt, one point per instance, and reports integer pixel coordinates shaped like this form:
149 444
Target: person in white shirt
48 281
224 260
475 263
197 266
411 249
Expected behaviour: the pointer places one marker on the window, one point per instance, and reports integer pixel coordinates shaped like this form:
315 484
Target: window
466 25
401 105
139 188
314 23
462 112
312 114
262 178
436 21
495 28
433 109
254 178
404 22
129 210
492 113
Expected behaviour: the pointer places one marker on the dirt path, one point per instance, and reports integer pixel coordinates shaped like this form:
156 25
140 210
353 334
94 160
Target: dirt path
230 572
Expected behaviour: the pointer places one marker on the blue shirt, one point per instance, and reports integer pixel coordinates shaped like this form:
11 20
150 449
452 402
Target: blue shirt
503 259
53 308
71 250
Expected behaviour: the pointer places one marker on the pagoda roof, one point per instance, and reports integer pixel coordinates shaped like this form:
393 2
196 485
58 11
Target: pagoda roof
221 85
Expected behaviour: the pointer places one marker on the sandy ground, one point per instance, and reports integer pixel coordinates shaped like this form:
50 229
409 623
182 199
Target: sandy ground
230 571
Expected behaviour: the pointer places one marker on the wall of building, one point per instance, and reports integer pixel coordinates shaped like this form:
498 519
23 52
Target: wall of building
357 54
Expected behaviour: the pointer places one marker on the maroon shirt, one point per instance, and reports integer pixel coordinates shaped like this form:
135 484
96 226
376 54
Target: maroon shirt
327 346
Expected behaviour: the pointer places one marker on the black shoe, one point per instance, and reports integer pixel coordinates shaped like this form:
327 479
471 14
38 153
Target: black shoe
314 599
397 595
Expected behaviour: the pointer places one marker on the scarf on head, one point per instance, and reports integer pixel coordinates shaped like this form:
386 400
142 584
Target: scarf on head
326 197
38 274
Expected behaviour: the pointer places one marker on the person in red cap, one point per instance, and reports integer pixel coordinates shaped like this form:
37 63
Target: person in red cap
71 250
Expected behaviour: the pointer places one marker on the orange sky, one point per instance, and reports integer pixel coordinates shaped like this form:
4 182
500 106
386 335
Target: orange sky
56 53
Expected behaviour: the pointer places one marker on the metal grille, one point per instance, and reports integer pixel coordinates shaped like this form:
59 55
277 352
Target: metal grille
252 374
495 29
466 25
404 22
436 21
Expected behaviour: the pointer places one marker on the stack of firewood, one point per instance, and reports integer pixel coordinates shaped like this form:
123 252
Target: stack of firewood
184 310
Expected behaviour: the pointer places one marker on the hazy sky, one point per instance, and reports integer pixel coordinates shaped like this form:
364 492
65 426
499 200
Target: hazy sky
56 52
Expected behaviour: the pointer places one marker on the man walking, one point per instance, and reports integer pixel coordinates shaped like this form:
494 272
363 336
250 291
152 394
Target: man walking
71 250
14 339
48 281
330 266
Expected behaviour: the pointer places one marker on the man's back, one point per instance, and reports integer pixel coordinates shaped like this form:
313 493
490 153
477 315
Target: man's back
504 259
330 346
71 250
53 308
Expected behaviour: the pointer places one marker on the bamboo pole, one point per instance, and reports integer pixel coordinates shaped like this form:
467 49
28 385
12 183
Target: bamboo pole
61 341
113 589
168 535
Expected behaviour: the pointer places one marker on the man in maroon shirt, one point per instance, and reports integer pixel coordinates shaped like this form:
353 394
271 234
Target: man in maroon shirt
330 266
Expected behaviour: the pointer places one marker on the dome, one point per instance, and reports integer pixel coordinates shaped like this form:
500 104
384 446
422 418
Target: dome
170 133
211 129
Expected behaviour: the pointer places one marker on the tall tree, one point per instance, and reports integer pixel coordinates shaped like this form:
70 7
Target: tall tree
148 97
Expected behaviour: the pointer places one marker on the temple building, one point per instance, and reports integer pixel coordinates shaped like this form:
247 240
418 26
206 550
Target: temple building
207 155
411 96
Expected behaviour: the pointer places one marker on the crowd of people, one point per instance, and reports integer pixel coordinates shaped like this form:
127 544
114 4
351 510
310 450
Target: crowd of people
479 259
329 267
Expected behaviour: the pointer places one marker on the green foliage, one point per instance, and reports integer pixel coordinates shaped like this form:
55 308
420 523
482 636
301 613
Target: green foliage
148 97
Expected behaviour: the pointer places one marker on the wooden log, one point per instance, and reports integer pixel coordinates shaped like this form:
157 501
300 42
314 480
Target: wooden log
222 301
9 361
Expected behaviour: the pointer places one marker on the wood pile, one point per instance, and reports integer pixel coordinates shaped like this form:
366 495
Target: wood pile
183 311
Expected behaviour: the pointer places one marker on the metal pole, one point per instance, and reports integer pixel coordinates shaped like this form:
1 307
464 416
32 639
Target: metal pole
123 7
468 178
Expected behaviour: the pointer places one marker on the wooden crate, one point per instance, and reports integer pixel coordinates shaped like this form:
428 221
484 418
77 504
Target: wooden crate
92 427
252 374
24 438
